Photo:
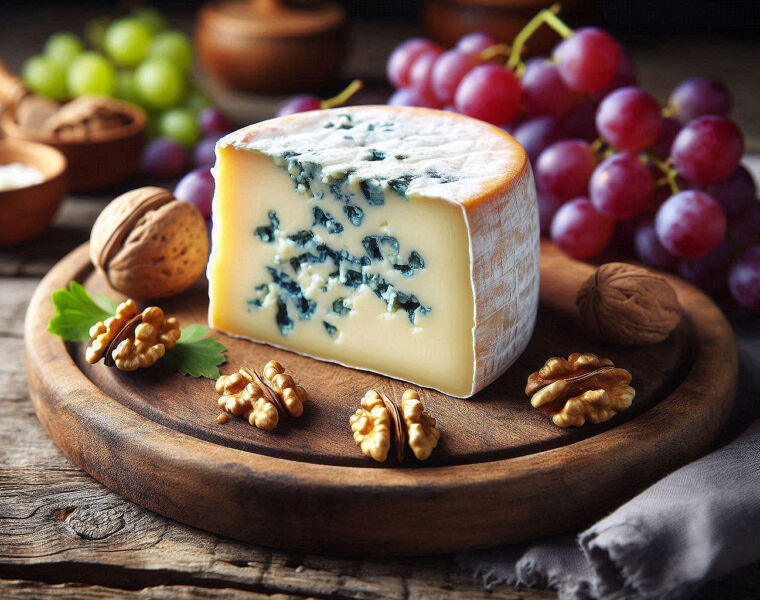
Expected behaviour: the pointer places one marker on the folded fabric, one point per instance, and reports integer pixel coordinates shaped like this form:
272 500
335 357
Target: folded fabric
697 523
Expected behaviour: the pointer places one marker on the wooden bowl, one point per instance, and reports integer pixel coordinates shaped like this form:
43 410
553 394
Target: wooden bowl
268 47
26 212
94 164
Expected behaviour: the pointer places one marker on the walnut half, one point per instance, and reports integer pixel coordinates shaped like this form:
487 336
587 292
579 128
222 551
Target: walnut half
261 400
130 340
580 388
380 421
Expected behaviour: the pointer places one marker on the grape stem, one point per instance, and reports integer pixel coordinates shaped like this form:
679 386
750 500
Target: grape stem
546 16
344 96
495 50
670 173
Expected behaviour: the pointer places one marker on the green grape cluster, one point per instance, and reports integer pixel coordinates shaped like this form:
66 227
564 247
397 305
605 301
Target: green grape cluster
135 58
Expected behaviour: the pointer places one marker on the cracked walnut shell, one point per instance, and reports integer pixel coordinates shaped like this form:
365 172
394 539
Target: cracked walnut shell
628 305
580 388
130 340
148 244
261 400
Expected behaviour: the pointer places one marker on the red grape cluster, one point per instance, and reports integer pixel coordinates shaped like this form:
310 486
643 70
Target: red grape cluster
611 165
609 162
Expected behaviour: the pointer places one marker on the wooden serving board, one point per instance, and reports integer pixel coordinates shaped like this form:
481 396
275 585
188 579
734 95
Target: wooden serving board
501 473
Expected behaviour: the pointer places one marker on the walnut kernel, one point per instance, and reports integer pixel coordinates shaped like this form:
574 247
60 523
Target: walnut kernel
261 400
421 430
103 332
379 422
583 387
371 425
153 336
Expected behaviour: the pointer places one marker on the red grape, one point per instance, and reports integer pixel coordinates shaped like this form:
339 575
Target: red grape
649 250
744 278
564 168
476 42
543 90
212 121
298 104
410 97
588 60
626 76
197 187
690 224
735 192
422 70
668 132
698 97
620 186
580 231
402 58
548 205
707 149
490 93
745 230
204 153
163 158
708 272
536 134
448 71
629 119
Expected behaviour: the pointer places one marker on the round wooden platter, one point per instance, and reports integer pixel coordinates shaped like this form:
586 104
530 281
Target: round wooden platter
501 473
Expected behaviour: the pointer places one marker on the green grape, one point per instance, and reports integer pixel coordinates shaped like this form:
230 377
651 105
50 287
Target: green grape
180 124
126 87
95 31
127 41
160 83
150 17
91 73
197 100
46 77
63 47
173 46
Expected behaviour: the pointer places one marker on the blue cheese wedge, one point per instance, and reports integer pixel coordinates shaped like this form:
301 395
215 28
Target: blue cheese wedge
403 241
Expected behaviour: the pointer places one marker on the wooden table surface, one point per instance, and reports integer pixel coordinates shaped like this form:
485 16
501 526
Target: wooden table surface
63 535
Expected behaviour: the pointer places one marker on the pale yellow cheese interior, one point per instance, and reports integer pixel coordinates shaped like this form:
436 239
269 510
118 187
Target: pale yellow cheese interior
436 351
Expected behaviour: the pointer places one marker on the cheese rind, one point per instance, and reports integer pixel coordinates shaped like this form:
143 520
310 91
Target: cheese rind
410 249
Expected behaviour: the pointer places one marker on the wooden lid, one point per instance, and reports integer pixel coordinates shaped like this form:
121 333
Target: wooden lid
273 18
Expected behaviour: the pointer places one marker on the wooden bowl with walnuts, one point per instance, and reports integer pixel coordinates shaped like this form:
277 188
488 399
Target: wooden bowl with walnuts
100 137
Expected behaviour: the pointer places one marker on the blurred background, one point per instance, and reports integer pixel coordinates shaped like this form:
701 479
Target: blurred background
669 41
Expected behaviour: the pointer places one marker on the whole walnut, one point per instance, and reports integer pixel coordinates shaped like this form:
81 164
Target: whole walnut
148 244
628 305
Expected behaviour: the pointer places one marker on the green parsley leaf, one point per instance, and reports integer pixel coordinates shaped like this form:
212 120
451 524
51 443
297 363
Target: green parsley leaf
196 355
76 312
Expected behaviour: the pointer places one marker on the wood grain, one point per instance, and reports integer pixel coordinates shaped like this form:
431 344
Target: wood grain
321 507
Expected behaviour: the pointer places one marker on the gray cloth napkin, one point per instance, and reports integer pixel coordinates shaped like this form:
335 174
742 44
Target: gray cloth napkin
695 524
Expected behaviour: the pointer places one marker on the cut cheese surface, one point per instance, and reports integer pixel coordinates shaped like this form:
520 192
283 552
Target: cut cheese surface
402 241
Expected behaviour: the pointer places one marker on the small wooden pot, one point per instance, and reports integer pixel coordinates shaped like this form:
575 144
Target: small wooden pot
26 212
267 47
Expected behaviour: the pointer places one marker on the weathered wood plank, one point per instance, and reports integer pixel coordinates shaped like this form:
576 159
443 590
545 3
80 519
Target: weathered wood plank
35 590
